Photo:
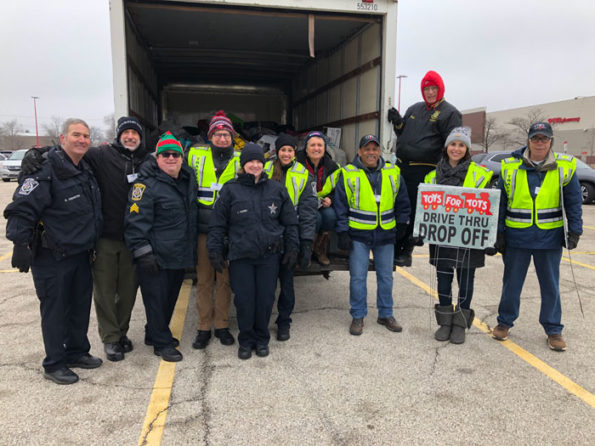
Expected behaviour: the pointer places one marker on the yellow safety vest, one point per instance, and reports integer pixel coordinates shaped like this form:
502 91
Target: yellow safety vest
477 176
296 178
366 211
329 184
200 158
545 211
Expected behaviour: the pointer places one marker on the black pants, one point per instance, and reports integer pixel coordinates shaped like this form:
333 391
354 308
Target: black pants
286 300
465 279
64 290
253 283
160 294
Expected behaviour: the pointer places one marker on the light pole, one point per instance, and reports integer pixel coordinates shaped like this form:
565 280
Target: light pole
35 98
400 76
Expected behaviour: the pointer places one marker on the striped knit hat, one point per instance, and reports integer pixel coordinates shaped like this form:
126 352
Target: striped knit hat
220 122
168 142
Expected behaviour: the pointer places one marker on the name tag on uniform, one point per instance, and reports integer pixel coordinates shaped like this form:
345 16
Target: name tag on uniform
377 198
537 190
216 186
132 177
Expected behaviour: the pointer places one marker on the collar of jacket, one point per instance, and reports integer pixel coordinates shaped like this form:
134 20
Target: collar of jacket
63 165
223 153
548 164
435 104
140 153
247 179
358 163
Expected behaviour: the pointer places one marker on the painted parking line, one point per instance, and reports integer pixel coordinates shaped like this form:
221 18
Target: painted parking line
14 270
574 262
157 411
588 227
5 256
547 370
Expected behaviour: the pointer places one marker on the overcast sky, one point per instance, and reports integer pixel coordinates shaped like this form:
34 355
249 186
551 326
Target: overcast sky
499 55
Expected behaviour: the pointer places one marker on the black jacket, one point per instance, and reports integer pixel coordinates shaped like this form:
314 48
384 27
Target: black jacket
65 198
421 136
162 216
327 164
112 165
256 218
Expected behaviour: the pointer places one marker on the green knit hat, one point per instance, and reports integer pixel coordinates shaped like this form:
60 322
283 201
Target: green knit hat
168 142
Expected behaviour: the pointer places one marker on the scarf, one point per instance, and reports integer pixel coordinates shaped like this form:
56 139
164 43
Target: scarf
451 176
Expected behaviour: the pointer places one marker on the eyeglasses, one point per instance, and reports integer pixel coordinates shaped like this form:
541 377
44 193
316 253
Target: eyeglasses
222 135
540 138
170 154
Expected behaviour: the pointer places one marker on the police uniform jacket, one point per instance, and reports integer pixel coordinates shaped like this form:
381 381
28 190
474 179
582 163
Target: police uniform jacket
162 216
65 199
256 218
424 130
533 237
377 236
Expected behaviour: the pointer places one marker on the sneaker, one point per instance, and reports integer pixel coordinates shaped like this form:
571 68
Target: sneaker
500 332
224 336
390 323
114 351
357 326
62 376
556 342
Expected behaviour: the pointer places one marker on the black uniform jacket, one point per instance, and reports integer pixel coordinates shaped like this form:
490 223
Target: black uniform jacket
65 199
255 218
162 216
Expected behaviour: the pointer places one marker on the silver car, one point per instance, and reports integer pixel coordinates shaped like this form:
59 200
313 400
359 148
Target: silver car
10 168
586 175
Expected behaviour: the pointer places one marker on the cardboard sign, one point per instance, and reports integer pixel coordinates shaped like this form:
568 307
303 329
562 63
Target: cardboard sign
457 216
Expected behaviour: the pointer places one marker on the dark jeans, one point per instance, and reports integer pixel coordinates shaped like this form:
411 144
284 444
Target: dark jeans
326 219
160 294
286 300
253 283
64 290
465 279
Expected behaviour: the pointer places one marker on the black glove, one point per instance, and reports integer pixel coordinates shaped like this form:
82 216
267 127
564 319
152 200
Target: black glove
147 264
290 259
344 241
217 261
490 251
501 243
572 240
417 241
21 258
305 253
402 231
394 116
32 160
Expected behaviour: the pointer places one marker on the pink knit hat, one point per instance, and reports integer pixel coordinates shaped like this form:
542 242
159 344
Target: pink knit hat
220 122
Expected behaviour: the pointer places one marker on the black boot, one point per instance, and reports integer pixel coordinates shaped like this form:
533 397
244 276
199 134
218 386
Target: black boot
444 319
461 320
202 339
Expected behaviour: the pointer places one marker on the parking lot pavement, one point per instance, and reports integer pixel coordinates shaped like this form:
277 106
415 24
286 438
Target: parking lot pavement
323 386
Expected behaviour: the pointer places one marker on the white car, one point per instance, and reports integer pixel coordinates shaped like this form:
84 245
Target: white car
10 168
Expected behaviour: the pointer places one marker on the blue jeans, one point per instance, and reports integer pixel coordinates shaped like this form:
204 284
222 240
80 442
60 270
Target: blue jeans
358 272
465 279
547 267
326 219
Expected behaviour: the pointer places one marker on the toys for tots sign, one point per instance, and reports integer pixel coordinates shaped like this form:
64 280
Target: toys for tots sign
457 216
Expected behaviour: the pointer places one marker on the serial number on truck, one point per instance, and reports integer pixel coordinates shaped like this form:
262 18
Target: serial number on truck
367 7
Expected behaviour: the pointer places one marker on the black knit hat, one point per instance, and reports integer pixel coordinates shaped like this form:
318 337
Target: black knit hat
128 122
285 140
251 152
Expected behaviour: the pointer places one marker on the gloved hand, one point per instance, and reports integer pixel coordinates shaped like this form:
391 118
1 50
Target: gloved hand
394 116
501 243
147 263
305 253
32 160
401 231
344 241
217 261
289 260
490 251
417 241
21 258
572 240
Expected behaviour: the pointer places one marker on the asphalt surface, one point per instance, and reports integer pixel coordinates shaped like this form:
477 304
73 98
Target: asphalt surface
323 386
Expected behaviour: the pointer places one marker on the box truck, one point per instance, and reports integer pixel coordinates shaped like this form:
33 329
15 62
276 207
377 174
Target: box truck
310 64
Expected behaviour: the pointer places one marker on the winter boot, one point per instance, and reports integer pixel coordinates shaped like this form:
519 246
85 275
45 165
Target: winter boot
461 320
444 319
320 248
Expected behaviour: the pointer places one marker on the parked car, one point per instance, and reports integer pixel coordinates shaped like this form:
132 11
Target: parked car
3 156
10 168
586 175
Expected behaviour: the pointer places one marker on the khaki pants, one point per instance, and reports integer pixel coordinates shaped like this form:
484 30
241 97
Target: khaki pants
207 278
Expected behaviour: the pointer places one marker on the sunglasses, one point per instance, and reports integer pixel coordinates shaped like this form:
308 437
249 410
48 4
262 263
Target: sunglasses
170 154
540 138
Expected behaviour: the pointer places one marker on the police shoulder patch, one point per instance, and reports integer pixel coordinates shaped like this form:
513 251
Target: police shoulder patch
137 191
28 186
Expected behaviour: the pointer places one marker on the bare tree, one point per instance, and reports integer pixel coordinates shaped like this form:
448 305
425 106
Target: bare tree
521 125
491 134
96 135
9 131
110 124
53 128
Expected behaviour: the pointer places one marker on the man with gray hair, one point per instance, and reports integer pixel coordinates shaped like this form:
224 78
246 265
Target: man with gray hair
54 222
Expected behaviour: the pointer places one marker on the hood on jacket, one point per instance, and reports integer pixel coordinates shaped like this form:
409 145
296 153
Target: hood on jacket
523 155
432 79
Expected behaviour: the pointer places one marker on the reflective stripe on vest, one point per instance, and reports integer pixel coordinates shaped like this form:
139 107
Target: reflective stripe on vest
364 212
200 158
477 176
329 184
295 179
545 210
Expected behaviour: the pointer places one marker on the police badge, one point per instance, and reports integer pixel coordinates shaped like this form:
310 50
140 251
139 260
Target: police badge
28 186
137 191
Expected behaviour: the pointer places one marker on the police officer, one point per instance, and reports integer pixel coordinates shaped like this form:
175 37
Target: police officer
160 232
257 216
54 221
372 214
539 190
421 135
214 165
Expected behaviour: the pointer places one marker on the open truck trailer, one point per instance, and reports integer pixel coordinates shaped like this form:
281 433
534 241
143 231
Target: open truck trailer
311 64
